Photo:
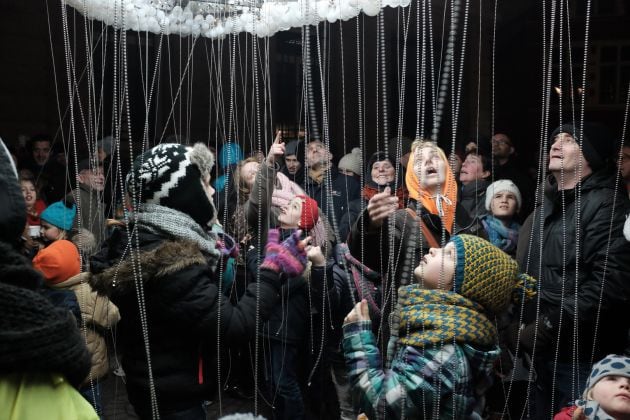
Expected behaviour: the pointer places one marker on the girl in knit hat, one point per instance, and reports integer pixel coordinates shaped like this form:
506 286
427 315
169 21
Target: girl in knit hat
300 311
56 221
443 342
607 393
503 201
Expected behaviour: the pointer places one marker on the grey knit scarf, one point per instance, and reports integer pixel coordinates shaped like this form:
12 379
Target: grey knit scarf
164 220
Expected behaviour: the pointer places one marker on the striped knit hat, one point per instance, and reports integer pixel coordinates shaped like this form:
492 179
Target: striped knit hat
487 275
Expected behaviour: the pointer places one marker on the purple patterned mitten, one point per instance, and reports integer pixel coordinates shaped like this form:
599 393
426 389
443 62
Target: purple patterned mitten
288 257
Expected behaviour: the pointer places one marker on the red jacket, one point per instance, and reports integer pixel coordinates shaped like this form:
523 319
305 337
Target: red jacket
566 413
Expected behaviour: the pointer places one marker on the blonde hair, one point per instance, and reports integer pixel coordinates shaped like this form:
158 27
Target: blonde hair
239 182
421 143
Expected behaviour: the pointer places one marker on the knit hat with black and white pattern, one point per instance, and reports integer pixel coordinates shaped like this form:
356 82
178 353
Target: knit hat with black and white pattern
172 175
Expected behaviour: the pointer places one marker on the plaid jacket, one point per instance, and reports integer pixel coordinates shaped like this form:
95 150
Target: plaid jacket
446 382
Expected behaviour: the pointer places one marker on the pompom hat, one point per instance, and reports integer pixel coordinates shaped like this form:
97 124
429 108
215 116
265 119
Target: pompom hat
487 275
171 175
59 215
352 161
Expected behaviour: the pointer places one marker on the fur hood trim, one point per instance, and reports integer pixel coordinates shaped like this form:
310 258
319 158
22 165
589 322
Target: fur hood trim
168 258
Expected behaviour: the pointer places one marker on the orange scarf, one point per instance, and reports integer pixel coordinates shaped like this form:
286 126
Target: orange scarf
445 200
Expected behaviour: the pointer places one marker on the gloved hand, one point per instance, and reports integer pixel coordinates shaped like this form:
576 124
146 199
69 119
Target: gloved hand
287 257
544 337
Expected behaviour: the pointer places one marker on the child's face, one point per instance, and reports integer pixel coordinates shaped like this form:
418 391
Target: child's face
613 395
291 213
437 268
50 232
503 205
29 193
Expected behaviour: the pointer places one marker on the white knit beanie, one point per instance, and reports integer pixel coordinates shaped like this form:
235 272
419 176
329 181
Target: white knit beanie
503 185
626 229
352 161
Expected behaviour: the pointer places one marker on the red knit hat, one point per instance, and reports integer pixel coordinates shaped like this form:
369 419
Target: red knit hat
310 212
58 261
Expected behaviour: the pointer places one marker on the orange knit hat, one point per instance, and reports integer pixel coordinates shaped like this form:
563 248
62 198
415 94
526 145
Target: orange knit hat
58 261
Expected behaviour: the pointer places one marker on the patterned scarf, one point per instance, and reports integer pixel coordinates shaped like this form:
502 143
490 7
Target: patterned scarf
433 317
504 238
166 221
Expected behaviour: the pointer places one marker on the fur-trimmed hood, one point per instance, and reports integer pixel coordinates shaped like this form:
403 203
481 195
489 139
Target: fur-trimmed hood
157 263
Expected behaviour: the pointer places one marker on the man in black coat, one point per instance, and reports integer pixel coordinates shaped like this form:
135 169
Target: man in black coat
573 245
332 190
160 271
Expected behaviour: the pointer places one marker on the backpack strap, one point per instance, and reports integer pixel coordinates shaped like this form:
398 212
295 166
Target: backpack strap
426 232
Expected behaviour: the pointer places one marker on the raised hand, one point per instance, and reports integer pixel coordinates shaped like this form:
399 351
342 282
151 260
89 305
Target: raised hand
276 150
315 255
381 206
360 312
288 257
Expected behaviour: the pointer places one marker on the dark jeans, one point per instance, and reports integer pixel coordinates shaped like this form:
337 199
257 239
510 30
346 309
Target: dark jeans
94 398
283 380
561 393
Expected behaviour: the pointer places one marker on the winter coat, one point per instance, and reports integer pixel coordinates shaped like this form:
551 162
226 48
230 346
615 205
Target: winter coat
472 198
35 335
99 314
454 375
597 252
343 189
184 309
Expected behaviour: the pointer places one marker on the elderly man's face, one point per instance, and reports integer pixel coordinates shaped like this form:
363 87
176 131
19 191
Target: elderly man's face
317 154
94 178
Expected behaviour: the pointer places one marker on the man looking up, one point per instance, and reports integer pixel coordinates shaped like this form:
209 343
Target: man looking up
323 180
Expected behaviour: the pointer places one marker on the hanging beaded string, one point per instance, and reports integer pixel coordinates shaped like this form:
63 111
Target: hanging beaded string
611 226
135 252
177 94
546 101
479 49
493 83
259 244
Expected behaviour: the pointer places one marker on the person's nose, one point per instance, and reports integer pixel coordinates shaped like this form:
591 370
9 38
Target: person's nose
625 383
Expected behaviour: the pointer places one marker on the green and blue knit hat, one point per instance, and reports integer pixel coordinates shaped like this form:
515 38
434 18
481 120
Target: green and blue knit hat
487 275
59 215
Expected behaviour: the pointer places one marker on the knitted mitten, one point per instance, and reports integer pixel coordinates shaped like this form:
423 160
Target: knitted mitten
287 257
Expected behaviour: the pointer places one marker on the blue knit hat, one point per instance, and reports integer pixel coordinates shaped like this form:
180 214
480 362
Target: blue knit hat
230 154
58 215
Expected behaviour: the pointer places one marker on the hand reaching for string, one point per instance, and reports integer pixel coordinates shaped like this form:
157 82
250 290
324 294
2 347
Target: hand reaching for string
276 150
288 257
381 206
360 312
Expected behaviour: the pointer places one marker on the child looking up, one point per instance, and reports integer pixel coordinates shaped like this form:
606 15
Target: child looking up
503 202
607 394
443 340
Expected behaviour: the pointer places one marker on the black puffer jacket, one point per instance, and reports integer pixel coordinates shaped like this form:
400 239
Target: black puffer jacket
597 251
182 311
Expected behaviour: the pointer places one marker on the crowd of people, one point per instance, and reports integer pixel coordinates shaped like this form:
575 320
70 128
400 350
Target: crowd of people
405 284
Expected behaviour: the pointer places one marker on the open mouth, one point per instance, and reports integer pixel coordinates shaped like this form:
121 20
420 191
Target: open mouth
431 171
